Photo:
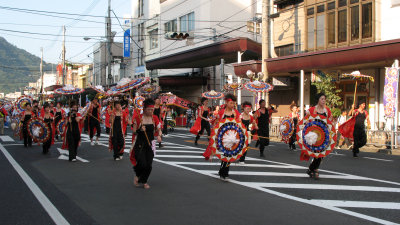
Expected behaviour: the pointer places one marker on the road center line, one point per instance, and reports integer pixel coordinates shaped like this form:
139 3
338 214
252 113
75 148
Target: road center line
53 212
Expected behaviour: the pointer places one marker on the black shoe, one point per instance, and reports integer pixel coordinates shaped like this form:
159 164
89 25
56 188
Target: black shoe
262 154
309 173
355 155
160 145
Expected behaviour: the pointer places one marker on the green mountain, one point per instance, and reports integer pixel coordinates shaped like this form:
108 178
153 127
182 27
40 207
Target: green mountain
18 67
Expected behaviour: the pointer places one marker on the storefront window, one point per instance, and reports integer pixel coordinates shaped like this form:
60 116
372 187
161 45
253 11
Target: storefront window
342 23
355 27
367 20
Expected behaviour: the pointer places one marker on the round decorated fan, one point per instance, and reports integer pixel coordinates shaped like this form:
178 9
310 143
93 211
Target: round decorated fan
38 130
286 128
61 126
316 135
229 140
258 86
138 101
21 101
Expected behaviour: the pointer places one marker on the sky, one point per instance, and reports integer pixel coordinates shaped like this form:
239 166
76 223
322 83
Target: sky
30 31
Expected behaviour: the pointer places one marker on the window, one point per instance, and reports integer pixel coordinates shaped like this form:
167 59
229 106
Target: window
320 8
342 3
140 8
186 22
331 28
310 33
284 50
183 23
171 26
354 1
331 5
355 20
342 24
153 39
140 58
141 32
310 11
367 20
320 31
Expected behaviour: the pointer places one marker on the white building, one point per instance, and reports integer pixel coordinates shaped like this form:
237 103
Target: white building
188 67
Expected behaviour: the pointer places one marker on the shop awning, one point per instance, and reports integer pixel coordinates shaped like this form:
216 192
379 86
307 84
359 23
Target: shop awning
353 57
208 55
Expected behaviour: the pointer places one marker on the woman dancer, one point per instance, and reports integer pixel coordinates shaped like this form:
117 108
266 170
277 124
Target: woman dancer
320 109
247 119
262 116
94 121
158 111
229 111
59 115
25 117
359 133
202 119
146 127
117 136
72 136
295 117
48 118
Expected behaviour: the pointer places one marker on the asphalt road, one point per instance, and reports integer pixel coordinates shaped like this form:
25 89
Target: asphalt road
186 189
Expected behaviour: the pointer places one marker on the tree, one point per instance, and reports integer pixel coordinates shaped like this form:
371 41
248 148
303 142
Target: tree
326 84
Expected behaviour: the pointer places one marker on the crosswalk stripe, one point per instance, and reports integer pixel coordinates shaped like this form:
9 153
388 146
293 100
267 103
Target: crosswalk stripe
179 151
6 138
253 173
386 160
358 204
325 187
238 165
181 156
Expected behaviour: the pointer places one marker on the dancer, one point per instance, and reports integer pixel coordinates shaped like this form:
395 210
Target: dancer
107 118
320 109
356 127
72 136
158 111
295 117
247 119
146 127
25 117
202 122
117 136
48 118
94 121
262 116
3 116
341 120
59 115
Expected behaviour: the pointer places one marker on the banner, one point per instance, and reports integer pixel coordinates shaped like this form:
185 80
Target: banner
127 43
390 91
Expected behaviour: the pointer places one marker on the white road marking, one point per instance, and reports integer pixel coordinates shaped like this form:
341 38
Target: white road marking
326 187
66 153
53 212
358 204
310 202
181 156
386 160
179 151
6 138
238 165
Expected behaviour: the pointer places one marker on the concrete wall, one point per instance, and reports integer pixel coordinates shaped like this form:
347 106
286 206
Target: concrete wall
390 16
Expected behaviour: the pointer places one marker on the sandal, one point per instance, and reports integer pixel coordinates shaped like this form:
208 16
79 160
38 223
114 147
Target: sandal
316 174
136 181
146 186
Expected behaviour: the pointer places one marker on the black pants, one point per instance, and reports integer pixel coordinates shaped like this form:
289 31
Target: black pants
292 140
205 125
243 157
73 148
27 138
108 130
86 125
263 139
315 164
118 145
224 169
144 158
93 123
165 127
46 146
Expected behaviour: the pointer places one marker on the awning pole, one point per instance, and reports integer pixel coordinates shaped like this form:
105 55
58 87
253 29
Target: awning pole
301 94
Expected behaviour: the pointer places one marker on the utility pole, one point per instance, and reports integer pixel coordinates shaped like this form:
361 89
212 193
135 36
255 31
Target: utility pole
265 42
109 40
41 73
63 59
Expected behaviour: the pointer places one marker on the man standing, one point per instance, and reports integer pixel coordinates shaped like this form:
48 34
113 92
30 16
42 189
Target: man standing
94 121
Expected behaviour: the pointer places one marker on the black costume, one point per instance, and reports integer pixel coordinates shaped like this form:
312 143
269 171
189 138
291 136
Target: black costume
359 134
27 137
118 140
205 125
94 122
47 144
144 153
263 130
73 137
224 168
292 139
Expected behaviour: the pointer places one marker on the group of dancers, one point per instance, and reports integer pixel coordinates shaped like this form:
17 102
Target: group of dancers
148 121
258 127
